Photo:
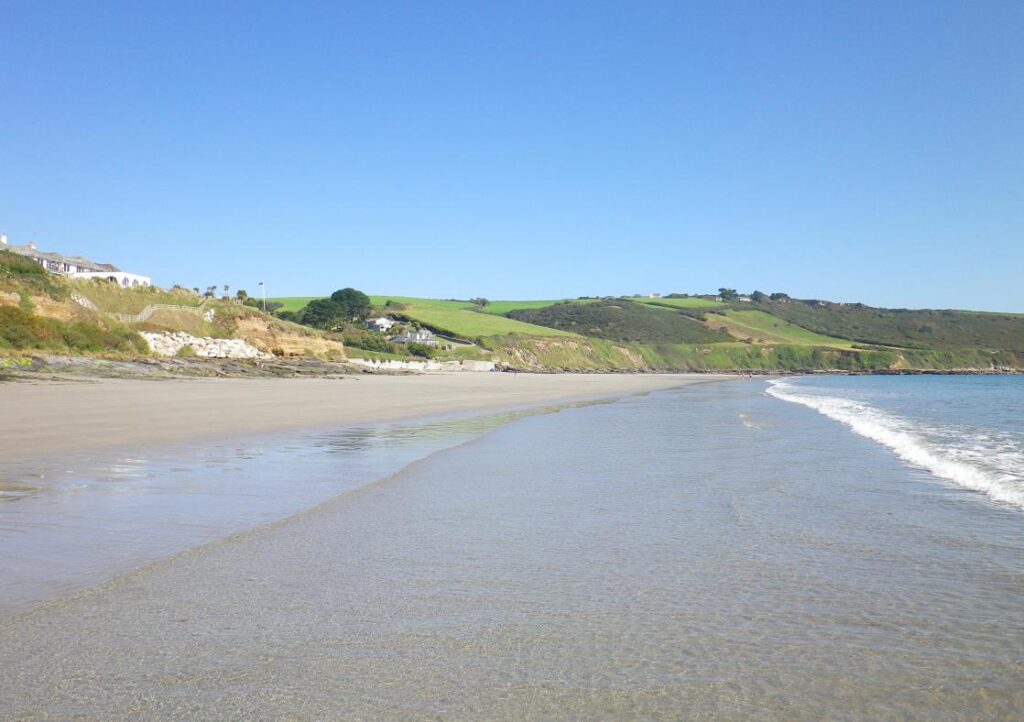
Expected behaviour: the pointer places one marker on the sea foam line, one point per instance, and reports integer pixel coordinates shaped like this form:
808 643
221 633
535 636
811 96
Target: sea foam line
895 433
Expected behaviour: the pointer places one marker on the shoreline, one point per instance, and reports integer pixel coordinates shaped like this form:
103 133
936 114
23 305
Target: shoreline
54 418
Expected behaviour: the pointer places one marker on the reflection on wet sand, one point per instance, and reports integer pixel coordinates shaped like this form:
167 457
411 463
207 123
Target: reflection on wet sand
81 519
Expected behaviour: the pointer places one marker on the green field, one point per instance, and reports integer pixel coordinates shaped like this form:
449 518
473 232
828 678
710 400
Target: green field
293 303
622 320
460 319
500 308
680 302
764 327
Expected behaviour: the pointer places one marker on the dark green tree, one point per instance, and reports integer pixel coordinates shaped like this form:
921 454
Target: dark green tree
324 313
728 294
352 303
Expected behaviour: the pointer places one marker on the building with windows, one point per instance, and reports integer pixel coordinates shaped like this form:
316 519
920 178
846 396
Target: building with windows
75 266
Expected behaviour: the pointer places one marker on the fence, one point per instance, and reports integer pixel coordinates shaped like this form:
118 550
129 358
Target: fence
148 311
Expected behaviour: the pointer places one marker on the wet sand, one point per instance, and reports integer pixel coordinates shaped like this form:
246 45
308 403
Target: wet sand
55 418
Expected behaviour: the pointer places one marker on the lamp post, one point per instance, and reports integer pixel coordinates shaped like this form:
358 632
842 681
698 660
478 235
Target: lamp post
263 288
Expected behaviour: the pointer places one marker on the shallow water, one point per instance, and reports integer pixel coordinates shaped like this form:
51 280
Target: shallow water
77 520
712 552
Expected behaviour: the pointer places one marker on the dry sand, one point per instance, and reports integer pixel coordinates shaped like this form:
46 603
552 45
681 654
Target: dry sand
52 418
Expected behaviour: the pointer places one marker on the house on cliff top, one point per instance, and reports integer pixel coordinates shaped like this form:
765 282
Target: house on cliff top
75 266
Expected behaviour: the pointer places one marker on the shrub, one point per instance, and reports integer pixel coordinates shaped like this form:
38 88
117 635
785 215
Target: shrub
420 349
368 341
21 329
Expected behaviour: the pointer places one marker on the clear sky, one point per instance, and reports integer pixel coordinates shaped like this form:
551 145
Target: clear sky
848 150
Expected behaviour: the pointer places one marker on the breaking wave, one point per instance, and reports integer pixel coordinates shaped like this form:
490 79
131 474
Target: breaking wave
975 459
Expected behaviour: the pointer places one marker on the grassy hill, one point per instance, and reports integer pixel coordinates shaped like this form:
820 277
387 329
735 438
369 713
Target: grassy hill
455 318
689 302
765 328
461 318
293 303
921 329
695 333
55 314
622 320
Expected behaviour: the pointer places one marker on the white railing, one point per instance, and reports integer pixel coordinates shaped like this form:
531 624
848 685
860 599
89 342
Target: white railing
143 315
148 311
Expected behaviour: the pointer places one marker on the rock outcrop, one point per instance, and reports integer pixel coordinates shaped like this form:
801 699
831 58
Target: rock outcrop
171 344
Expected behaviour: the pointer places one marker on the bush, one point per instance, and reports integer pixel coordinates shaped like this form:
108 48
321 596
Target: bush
16 265
21 329
31 274
421 350
368 341
83 336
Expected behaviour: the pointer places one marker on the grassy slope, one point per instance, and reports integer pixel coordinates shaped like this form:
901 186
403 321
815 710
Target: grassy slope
680 302
457 318
764 327
112 298
500 308
782 344
922 329
294 303
460 319
590 354
622 321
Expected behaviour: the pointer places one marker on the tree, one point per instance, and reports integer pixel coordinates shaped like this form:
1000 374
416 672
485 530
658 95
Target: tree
779 296
480 302
758 297
324 313
728 294
241 294
211 291
352 303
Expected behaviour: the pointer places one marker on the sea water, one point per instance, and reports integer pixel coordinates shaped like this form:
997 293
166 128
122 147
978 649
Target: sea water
737 550
967 430
68 521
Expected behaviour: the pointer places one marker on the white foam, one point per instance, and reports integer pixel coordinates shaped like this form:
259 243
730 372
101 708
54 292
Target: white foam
992 471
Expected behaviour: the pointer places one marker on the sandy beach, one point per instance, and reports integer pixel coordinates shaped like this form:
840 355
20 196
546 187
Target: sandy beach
51 417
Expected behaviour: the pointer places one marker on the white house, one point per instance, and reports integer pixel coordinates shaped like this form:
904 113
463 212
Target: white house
75 266
422 336
382 324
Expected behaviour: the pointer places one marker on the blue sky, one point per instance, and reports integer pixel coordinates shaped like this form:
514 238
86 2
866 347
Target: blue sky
853 151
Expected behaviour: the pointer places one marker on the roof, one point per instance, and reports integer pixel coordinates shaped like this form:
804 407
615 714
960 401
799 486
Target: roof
80 261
